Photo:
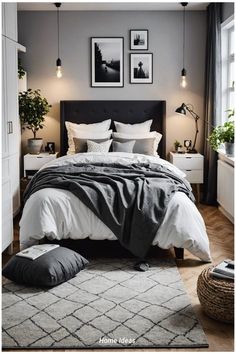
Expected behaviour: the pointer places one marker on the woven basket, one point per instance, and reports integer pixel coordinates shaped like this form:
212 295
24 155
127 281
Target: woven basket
216 296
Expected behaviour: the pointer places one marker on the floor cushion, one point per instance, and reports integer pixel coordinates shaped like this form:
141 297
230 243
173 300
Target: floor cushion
50 269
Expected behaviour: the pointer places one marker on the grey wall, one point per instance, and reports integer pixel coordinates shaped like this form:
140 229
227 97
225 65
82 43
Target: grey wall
37 31
227 10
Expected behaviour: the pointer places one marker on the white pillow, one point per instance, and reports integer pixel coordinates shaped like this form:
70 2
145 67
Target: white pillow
99 147
75 133
73 129
138 128
152 134
93 127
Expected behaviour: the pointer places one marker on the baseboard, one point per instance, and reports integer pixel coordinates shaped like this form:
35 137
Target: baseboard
228 216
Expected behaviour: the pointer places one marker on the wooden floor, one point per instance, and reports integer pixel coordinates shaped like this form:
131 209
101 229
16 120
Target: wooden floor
221 234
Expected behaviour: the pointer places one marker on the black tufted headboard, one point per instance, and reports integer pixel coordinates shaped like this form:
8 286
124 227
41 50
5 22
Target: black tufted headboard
122 111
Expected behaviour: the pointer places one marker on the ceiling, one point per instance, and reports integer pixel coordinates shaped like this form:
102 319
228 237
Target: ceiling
133 5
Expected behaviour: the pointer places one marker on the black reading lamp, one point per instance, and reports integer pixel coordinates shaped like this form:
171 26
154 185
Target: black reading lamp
183 110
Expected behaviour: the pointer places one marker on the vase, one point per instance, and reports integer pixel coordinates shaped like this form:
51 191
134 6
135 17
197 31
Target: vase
35 146
229 149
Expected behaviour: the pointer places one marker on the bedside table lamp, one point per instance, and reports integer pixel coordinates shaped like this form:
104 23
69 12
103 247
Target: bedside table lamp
183 110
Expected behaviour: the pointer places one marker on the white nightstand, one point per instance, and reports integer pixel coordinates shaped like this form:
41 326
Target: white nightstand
191 165
32 163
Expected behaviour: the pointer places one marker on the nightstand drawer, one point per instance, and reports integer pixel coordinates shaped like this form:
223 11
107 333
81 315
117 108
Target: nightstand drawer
194 176
188 163
32 163
35 163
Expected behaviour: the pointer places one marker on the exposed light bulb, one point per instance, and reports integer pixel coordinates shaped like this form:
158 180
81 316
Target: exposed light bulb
59 69
183 81
59 72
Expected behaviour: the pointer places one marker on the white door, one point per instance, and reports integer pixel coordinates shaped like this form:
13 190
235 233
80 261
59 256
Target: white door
4 102
12 97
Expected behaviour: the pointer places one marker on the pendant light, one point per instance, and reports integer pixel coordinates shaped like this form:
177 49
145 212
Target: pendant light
58 62
183 81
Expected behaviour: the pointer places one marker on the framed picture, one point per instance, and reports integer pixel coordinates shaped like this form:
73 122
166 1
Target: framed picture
50 147
138 39
107 60
141 68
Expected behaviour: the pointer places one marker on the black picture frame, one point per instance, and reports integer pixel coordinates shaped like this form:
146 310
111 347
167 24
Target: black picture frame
145 76
50 147
107 62
139 39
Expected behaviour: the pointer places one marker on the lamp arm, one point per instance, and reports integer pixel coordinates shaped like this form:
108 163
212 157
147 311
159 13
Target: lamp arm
196 133
189 108
191 111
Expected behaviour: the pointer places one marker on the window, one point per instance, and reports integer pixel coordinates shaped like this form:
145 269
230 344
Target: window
227 57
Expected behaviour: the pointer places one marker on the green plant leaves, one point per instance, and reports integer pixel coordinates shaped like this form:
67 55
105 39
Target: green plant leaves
32 109
222 134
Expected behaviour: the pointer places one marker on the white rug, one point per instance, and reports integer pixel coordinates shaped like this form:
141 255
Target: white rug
108 304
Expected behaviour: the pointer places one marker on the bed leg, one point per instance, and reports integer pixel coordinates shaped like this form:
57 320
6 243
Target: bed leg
179 253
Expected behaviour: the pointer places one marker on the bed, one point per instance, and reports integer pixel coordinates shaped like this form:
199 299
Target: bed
59 214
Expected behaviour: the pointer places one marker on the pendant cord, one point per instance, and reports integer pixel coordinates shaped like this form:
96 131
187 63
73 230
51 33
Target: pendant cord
183 37
58 33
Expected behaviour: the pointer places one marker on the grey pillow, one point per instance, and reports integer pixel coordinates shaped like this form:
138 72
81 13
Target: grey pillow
53 268
81 144
123 147
141 146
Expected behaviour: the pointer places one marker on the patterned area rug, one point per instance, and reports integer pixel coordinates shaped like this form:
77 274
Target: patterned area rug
108 304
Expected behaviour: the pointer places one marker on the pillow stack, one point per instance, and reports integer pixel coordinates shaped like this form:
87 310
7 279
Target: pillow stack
78 134
141 140
96 137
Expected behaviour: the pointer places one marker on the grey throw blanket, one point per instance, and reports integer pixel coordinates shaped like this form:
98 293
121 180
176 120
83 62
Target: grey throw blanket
130 200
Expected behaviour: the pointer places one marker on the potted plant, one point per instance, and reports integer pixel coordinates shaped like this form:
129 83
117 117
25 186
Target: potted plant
177 145
32 109
224 134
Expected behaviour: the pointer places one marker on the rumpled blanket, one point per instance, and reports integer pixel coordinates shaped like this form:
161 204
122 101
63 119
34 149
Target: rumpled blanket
130 200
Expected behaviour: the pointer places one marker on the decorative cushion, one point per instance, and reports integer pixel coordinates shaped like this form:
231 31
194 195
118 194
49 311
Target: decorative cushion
50 269
133 128
123 147
126 137
98 147
82 146
86 136
142 146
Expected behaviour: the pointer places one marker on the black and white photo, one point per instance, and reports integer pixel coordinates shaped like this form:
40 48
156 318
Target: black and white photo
138 39
50 147
107 61
141 68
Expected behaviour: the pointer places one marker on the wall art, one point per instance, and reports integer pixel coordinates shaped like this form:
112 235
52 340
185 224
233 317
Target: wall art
141 68
107 61
138 39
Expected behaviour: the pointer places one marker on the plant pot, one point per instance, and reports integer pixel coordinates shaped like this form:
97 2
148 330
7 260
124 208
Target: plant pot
229 149
35 146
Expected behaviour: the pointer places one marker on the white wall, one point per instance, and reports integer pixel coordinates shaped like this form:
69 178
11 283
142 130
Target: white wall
37 31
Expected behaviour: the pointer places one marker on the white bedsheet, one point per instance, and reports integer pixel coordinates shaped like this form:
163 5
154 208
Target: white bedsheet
58 214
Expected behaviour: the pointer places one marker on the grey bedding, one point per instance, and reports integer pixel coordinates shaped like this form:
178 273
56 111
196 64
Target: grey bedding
130 200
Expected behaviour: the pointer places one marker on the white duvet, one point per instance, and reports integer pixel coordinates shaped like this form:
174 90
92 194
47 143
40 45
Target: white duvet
58 214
